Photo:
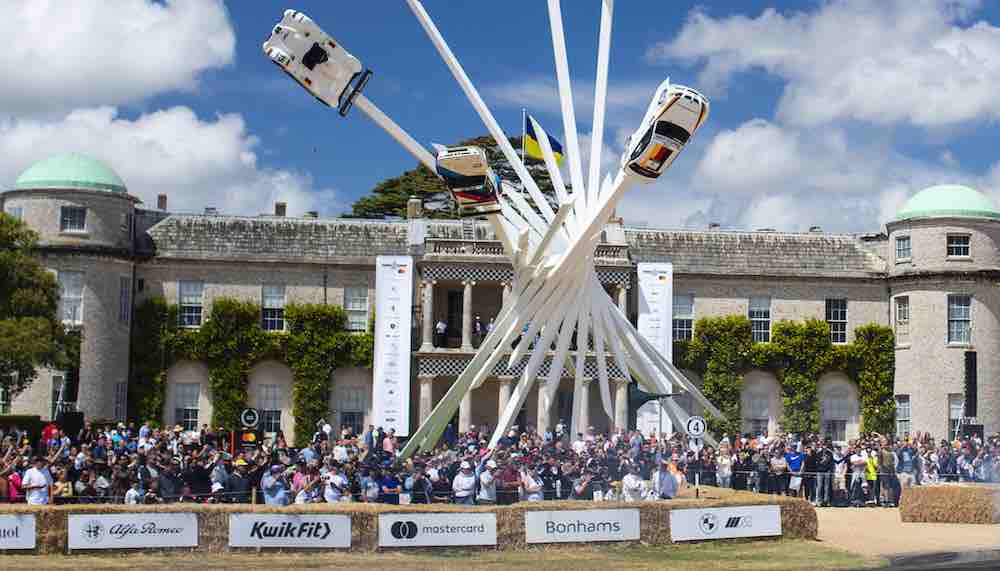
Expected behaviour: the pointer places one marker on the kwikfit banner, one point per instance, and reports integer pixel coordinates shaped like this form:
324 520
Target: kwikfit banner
656 320
393 304
581 525
289 530
17 531
440 529
133 530
724 523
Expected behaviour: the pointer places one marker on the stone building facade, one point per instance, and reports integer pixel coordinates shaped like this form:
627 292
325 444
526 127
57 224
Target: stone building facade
931 275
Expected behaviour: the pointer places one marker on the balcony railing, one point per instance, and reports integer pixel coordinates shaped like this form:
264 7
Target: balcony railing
604 254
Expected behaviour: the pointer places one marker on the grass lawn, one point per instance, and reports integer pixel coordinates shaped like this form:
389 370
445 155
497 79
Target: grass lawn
729 556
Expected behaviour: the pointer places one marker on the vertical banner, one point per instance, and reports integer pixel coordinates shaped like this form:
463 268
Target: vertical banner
393 306
656 321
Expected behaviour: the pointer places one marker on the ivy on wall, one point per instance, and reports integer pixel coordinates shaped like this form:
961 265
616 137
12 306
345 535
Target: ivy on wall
230 342
722 352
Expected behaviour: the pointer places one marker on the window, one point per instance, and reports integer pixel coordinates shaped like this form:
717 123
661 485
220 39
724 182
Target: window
72 219
8 380
351 403
959 245
190 294
16 211
902 318
356 305
121 397
836 317
127 221
902 415
124 298
959 319
683 317
758 413
836 409
273 308
270 408
760 319
956 410
902 248
186 405
58 393
71 297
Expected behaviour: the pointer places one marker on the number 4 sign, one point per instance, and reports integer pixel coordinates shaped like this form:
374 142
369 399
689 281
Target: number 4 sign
695 427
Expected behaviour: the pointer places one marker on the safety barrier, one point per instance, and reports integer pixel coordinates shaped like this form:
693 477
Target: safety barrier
718 514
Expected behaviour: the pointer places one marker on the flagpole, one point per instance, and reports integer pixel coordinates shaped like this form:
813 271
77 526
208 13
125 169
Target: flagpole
524 133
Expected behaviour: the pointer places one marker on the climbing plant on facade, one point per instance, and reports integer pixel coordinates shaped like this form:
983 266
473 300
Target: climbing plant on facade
722 352
230 343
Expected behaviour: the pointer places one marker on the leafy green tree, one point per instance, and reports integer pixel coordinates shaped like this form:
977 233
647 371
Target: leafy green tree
31 334
388 198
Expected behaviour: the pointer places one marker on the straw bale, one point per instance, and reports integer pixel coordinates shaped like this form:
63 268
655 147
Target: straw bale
951 503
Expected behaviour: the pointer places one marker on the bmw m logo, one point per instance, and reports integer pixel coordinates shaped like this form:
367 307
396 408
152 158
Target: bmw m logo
708 523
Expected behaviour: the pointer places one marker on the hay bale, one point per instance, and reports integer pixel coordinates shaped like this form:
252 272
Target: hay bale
951 503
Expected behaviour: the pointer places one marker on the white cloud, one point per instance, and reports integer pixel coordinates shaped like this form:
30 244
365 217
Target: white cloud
196 162
921 62
61 55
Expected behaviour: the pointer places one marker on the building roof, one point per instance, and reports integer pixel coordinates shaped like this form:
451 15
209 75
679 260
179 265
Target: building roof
70 171
274 239
756 253
948 200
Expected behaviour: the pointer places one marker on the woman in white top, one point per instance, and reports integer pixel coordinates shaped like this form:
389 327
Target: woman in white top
632 485
724 466
531 486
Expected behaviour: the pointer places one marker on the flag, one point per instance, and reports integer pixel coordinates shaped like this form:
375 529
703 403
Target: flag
531 146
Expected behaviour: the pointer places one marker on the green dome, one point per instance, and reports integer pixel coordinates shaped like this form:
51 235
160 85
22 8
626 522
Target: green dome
948 200
71 170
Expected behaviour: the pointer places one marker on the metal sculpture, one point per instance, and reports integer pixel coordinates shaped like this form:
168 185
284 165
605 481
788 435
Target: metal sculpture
556 293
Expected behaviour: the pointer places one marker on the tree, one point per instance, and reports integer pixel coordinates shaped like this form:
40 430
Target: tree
31 334
388 198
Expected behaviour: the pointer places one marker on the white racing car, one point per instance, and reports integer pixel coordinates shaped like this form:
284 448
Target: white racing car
674 115
315 60
473 184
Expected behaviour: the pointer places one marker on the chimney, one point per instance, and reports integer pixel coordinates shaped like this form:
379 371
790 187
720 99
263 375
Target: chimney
312 214
211 210
714 226
280 208
414 208
161 201
815 229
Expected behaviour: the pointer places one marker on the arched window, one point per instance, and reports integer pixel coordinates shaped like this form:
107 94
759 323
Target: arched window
838 406
760 403
269 391
187 402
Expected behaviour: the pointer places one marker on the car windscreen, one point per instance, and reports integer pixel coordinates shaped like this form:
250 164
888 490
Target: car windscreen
463 182
315 56
668 129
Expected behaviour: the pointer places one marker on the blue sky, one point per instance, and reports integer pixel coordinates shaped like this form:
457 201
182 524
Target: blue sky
829 113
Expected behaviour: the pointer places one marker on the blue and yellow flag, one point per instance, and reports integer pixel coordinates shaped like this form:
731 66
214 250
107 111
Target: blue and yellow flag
531 146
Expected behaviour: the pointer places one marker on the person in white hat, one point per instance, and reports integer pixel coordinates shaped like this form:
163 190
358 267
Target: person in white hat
488 483
463 487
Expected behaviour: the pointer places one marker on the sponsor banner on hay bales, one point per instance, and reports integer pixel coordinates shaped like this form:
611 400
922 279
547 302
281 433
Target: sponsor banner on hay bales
289 530
436 529
133 530
724 523
581 525
17 532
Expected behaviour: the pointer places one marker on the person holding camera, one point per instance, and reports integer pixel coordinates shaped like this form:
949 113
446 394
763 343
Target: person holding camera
274 486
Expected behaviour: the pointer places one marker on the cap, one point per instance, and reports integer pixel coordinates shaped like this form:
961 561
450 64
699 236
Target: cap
277 468
240 462
178 428
466 466
217 486
491 464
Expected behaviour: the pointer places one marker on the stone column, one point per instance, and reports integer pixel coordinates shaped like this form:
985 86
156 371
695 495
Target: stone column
583 409
428 311
426 396
621 402
467 315
544 420
503 394
623 299
506 291
465 413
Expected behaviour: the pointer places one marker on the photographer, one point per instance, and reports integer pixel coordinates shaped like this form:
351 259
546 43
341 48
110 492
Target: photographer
274 486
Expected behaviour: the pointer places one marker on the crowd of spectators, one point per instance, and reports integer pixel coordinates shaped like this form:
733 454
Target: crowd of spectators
147 465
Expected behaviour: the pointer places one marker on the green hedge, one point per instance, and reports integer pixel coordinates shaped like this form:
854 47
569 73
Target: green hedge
722 352
230 342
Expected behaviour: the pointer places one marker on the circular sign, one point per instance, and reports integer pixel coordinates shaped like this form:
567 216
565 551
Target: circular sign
249 418
696 426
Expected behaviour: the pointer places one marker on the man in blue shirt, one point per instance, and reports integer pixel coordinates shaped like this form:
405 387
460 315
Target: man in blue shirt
794 459
390 488
275 487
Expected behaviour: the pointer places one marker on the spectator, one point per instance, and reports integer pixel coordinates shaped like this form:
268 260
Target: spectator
464 485
36 482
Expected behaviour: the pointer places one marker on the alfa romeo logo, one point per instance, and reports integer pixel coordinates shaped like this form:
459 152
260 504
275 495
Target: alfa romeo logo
93 531
403 530
708 523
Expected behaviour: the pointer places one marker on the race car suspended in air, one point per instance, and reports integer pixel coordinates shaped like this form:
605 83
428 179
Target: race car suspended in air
315 60
473 184
673 116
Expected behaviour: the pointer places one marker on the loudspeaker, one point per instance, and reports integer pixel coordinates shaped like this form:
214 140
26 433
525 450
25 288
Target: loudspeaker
971 384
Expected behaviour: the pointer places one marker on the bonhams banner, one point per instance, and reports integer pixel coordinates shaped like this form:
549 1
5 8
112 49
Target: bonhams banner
289 530
436 529
581 525
393 304
133 530
724 523
17 532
